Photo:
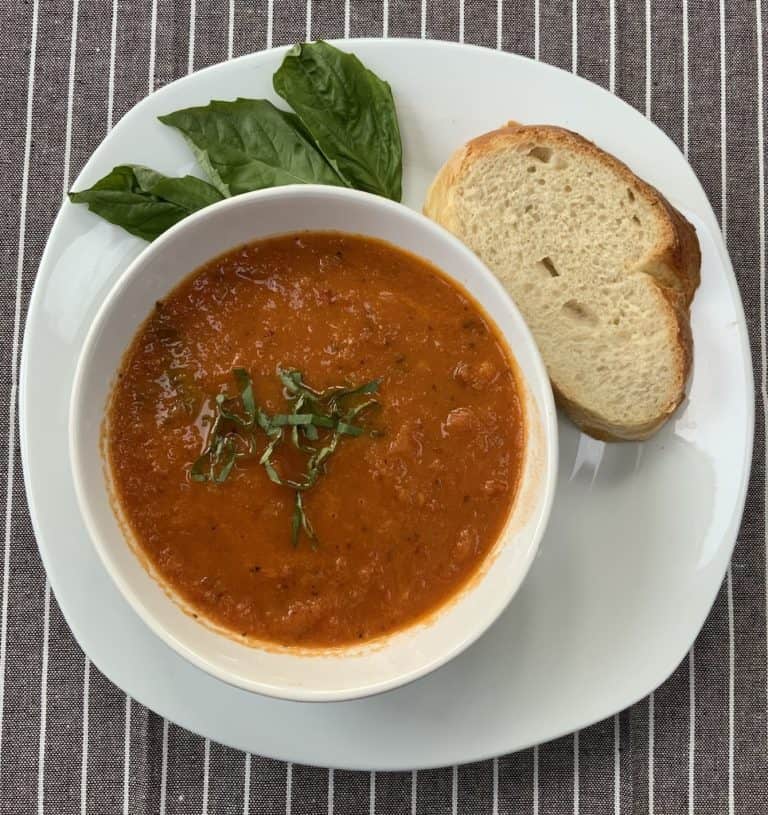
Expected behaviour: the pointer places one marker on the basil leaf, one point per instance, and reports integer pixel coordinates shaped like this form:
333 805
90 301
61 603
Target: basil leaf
348 429
296 419
300 521
144 202
350 113
243 379
225 456
295 386
249 144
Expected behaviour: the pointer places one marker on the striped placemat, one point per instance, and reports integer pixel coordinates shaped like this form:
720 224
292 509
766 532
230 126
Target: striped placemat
71 742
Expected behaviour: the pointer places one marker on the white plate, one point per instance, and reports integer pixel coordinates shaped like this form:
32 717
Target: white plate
640 535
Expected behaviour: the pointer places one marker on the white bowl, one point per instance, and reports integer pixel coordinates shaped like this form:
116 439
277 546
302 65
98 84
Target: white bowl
335 674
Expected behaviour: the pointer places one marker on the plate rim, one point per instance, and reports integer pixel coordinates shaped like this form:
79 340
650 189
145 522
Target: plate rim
729 538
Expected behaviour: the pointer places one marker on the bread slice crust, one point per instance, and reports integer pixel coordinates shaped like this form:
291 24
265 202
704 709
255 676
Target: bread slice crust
672 262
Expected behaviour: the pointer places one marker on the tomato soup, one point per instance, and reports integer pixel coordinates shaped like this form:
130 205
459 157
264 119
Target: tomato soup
315 440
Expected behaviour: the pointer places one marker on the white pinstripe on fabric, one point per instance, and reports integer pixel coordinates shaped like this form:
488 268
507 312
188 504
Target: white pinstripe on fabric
231 30
723 133
461 20
691 729
575 36
648 57
612 46
70 97
270 14
495 788
14 358
152 46
454 789
347 20
651 716
731 682
685 78
127 758
43 701
576 773
164 768
191 36
536 779
206 775
499 24
385 19
761 226
372 793
308 25
84 757
616 765
330 791
414 791
423 19
536 31
111 75
247 784
288 787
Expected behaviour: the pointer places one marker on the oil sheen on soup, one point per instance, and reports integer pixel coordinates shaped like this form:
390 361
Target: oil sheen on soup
367 512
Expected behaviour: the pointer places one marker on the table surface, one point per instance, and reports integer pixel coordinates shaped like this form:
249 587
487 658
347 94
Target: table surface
70 741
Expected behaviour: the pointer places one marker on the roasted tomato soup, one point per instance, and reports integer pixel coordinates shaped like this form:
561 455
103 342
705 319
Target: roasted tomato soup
315 440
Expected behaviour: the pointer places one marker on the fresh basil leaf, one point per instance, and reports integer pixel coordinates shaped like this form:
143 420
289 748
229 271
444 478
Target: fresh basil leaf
298 419
348 429
350 113
144 202
243 379
226 454
249 144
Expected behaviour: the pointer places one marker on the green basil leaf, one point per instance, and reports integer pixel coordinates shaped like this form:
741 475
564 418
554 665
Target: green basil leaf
249 144
298 419
350 113
225 456
144 202
349 429
243 379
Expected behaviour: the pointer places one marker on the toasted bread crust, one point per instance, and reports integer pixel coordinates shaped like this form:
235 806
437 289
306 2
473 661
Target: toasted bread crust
674 262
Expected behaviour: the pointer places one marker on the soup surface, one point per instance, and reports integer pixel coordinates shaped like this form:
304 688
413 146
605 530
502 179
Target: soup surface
403 512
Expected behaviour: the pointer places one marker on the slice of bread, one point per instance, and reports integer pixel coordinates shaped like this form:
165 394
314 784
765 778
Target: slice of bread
602 267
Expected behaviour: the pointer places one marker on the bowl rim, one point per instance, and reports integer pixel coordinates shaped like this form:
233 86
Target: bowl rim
547 420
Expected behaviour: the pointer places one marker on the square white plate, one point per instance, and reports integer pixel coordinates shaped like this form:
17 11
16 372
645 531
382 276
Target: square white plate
640 535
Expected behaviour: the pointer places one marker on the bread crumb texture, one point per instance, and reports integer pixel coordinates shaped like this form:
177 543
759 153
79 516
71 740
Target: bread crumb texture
598 262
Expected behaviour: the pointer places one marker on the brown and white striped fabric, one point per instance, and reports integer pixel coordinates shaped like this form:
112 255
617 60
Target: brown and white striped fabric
71 742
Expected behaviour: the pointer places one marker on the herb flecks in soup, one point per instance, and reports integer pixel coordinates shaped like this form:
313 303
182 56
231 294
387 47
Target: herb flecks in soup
404 513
